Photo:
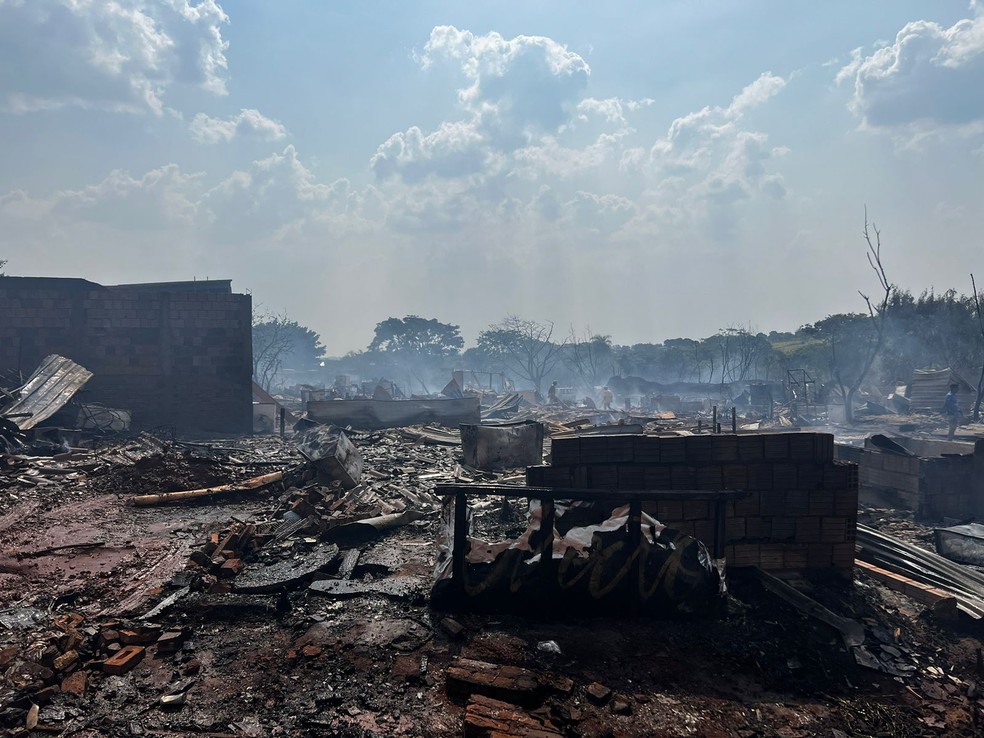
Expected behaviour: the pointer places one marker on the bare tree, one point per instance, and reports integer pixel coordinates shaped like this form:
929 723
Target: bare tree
524 346
589 357
272 343
877 311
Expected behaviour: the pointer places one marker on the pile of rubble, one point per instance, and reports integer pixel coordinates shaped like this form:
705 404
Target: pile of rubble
269 587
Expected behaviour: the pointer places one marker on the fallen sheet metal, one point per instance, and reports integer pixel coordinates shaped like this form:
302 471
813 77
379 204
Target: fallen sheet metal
963 543
258 579
502 446
401 588
48 390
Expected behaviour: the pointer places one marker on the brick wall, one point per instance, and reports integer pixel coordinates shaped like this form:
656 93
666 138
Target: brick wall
933 487
180 358
800 513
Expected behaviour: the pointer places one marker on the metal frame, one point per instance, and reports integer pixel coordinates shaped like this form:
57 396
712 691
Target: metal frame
547 497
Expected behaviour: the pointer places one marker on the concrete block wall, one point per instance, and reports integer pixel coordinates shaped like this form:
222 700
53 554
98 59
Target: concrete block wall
933 487
800 513
182 359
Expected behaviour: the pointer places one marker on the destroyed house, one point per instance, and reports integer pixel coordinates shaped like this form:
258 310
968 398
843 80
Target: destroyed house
175 354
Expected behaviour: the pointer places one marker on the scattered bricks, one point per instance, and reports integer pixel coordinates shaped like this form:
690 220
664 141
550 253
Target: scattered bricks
784 475
794 557
760 476
832 530
602 477
696 510
724 448
797 503
698 449
466 677
758 529
108 636
775 446
599 694
747 506
202 559
809 476
709 476
555 683
772 503
808 530
140 636
489 718
771 556
171 641
818 556
230 568
565 451
657 477
734 476
646 449
672 450
751 447
631 477
75 683
746 554
124 660
683 476
66 661
734 529
821 502
669 510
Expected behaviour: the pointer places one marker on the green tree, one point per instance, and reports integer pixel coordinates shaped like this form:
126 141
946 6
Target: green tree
415 345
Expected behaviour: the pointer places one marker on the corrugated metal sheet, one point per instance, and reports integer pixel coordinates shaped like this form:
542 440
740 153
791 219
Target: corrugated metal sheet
929 387
48 390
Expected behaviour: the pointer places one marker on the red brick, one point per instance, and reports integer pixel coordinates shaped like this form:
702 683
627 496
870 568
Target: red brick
124 660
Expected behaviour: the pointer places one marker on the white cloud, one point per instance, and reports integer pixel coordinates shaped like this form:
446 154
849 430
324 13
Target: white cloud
120 56
248 123
929 76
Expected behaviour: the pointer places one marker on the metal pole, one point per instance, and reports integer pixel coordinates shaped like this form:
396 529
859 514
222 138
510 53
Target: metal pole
734 420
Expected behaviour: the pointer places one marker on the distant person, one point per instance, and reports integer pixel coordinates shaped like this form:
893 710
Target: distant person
607 398
951 409
552 394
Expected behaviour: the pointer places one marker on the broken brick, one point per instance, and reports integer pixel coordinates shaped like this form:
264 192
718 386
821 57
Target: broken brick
466 677
75 683
598 693
124 660
487 718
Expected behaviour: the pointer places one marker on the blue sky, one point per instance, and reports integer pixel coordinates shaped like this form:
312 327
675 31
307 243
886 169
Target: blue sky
643 169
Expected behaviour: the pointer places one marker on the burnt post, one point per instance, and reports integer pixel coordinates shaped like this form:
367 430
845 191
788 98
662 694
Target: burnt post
283 422
734 419
460 541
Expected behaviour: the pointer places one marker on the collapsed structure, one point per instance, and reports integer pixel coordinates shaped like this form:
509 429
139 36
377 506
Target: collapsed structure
508 569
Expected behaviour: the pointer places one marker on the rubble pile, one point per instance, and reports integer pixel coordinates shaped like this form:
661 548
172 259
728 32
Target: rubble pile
298 606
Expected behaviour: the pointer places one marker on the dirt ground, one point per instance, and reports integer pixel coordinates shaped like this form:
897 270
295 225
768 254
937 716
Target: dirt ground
296 662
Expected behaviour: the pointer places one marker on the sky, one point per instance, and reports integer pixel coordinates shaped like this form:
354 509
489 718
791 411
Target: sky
644 169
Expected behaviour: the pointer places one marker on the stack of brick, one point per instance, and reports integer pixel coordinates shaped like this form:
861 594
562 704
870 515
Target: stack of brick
800 512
